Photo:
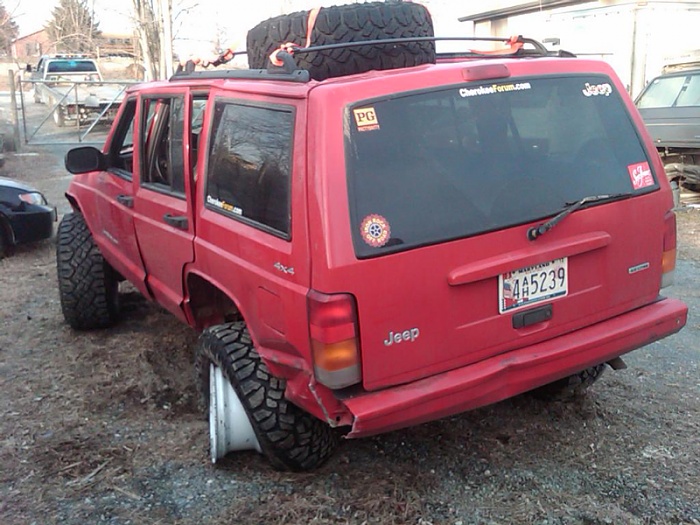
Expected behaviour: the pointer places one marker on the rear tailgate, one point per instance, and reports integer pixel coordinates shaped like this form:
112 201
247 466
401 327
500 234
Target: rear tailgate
440 308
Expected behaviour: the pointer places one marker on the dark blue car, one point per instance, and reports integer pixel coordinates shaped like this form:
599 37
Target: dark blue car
25 215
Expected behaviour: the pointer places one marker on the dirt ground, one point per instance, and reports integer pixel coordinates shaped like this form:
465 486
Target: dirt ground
101 428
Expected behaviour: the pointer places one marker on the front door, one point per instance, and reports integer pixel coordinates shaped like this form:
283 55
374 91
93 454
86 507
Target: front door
163 202
114 203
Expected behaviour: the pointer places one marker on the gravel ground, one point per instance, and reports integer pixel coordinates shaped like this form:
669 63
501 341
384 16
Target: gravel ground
102 428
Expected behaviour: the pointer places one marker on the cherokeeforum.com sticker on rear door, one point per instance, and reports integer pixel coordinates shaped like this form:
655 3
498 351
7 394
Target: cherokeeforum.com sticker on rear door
493 89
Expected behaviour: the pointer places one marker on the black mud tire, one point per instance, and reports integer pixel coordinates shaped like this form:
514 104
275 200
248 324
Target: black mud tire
4 240
348 23
575 385
290 438
88 286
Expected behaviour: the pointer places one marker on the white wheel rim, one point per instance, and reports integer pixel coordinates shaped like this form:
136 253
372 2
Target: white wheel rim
229 426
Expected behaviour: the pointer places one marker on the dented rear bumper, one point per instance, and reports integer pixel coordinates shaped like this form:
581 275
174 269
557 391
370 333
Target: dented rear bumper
509 374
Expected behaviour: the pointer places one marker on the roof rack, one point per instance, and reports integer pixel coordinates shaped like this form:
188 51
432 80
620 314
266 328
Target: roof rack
298 75
289 71
539 50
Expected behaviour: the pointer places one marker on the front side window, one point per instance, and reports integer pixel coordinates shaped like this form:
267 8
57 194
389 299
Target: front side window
459 161
248 174
121 148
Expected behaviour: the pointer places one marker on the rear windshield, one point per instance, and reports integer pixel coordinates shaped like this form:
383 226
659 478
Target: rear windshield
72 66
445 164
669 92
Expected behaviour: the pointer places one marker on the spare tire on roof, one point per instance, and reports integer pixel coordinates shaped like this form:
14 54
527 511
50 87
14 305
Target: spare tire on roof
348 23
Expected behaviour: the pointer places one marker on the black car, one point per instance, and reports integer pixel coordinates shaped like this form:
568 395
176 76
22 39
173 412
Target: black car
25 215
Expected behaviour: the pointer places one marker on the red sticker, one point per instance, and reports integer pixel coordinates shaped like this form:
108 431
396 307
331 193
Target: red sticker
640 174
375 231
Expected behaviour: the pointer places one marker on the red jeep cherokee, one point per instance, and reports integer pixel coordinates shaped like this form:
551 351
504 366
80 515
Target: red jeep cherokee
376 250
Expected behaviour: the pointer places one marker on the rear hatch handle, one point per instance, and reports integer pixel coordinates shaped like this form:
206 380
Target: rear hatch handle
537 231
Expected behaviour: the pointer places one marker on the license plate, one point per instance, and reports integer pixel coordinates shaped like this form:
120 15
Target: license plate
534 284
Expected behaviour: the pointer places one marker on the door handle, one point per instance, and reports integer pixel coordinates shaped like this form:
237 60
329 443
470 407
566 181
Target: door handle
179 221
126 200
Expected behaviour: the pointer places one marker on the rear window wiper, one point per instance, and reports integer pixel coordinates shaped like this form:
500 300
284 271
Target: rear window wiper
570 207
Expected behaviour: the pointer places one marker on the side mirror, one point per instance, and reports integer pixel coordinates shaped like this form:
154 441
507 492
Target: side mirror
84 160
29 68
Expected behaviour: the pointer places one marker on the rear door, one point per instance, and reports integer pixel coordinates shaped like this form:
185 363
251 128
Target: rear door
164 221
444 186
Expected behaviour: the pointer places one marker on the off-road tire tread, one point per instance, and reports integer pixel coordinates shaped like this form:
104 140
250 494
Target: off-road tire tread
290 438
575 385
348 23
88 286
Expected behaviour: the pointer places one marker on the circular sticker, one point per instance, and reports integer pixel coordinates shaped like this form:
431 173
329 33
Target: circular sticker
375 231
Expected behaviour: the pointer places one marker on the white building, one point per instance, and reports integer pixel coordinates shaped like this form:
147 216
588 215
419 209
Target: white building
636 37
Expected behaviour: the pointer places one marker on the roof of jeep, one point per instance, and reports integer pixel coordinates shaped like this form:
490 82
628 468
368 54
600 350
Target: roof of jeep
285 86
291 81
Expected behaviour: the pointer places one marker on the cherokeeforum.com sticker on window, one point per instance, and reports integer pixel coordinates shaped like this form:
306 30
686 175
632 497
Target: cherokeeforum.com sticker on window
493 89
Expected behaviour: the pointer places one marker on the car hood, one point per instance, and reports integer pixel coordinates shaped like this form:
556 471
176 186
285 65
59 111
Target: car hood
8 183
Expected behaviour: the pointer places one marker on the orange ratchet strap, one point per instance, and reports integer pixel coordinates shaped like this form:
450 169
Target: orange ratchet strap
289 47
514 45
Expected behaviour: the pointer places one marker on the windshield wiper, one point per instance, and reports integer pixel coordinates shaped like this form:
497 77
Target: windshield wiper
570 207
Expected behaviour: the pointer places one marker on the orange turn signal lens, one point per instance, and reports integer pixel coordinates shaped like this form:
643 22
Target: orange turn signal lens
335 356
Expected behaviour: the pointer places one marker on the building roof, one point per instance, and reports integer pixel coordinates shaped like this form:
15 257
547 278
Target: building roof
29 35
518 8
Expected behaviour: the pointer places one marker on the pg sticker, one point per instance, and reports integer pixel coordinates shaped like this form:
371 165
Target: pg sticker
375 231
640 175
366 119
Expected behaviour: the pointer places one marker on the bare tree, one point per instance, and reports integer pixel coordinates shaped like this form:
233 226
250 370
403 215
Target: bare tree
73 27
8 29
154 27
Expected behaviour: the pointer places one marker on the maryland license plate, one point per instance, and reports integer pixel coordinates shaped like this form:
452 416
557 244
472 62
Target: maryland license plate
531 285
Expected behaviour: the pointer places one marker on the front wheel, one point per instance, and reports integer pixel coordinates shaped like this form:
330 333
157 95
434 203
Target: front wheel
88 285
229 367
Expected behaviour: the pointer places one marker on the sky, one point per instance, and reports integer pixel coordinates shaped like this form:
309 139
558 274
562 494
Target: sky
197 22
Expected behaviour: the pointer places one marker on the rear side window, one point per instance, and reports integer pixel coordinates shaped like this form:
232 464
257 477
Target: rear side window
248 174
460 161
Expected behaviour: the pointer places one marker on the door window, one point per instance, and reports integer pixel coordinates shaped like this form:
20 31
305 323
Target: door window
250 163
163 164
121 149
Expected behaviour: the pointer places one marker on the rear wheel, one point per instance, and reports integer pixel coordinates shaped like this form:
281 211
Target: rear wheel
88 286
4 243
573 386
290 438
348 23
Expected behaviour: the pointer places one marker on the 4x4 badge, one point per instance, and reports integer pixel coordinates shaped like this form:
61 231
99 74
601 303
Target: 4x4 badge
375 231
282 268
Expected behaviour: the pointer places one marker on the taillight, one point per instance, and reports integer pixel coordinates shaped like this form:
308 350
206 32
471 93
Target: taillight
668 262
334 339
